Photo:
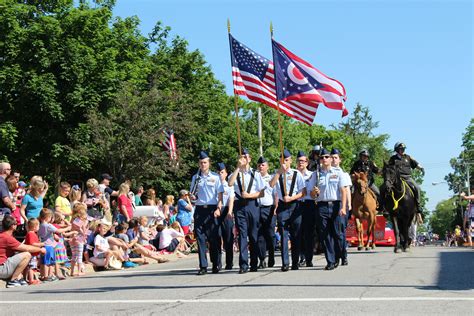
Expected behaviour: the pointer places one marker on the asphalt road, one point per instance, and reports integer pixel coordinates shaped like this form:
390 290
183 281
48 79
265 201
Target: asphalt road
428 280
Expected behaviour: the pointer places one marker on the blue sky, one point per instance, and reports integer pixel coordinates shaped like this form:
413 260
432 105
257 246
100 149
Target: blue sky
410 62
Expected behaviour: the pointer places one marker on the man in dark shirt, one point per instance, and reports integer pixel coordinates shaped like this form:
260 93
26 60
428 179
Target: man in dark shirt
404 163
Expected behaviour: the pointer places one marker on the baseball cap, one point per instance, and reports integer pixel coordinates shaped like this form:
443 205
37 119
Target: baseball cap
106 176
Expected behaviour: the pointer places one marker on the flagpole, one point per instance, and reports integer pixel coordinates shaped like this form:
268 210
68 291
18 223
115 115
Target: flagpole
236 109
280 128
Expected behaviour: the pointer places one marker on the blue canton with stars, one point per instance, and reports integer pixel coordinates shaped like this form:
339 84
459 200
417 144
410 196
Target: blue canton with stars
285 86
247 60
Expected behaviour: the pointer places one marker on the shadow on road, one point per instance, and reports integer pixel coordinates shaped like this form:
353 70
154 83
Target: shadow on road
456 271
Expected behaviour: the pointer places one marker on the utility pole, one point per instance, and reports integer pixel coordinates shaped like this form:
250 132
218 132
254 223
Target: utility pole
260 134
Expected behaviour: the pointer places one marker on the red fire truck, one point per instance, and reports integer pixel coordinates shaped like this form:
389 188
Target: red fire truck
384 234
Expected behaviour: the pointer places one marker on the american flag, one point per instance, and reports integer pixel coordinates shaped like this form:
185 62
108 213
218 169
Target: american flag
169 144
253 76
332 91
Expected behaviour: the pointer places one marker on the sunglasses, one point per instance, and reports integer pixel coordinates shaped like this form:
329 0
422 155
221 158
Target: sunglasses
325 157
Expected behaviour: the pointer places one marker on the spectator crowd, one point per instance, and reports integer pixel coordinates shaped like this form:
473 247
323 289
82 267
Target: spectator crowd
45 243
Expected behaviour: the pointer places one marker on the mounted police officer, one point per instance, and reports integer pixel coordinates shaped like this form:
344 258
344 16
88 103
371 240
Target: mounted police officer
226 219
364 164
290 187
330 205
248 187
404 164
205 187
266 231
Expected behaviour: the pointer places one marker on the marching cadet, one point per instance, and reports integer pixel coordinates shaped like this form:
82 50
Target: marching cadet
226 219
290 187
343 220
205 186
308 210
266 231
248 187
329 205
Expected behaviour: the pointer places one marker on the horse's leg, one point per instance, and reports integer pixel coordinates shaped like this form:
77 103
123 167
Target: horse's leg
359 234
369 224
397 232
374 222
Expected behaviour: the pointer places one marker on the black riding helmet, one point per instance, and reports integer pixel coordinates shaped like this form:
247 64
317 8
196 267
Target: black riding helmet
364 152
399 145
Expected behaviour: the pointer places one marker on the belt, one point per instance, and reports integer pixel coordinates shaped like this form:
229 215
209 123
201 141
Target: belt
207 206
328 203
288 203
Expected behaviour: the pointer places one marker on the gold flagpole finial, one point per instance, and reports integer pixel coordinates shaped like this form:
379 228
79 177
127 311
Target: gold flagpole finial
271 29
228 25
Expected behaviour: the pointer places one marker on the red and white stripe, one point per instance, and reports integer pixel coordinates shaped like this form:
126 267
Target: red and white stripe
252 87
333 92
170 144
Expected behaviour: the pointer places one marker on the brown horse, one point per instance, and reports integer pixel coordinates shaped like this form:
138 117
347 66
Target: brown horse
364 206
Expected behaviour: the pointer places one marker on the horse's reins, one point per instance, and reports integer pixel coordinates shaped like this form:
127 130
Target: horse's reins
395 202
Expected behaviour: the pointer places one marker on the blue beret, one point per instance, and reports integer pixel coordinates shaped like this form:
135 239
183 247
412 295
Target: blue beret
245 151
261 160
203 155
324 152
220 166
335 151
300 154
286 153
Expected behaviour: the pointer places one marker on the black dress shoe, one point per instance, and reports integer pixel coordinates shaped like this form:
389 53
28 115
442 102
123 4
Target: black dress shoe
285 268
243 271
271 262
228 267
262 265
309 264
215 270
253 269
344 262
336 264
295 267
329 267
302 263
202 271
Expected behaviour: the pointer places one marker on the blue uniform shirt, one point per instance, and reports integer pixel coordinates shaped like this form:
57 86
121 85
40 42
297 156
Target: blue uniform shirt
227 193
267 199
346 179
307 176
299 183
208 186
257 185
330 183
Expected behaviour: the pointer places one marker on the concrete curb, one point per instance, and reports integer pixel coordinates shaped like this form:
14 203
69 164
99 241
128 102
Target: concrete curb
89 267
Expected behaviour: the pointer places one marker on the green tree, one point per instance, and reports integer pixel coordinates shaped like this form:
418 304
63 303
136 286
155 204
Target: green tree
461 164
58 62
446 215
360 127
